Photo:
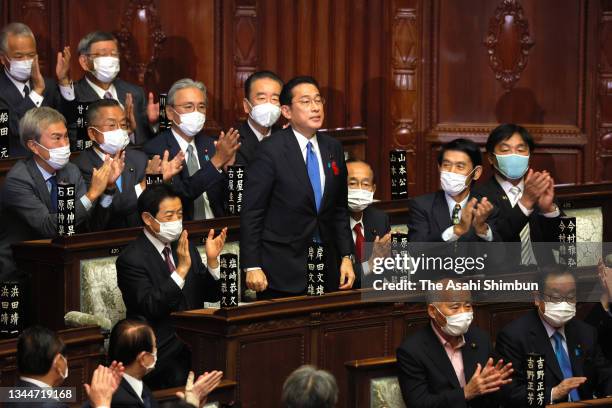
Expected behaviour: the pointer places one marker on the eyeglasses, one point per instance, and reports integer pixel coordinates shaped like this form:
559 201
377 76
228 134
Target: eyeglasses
191 107
305 103
558 299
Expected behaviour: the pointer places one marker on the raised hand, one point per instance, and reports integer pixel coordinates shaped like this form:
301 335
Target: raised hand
467 214
36 78
486 380
170 168
214 246
547 198
104 383
99 180
482 211
226 148
117 165
184 257
63 66
380 249
535 185
152 109
129 111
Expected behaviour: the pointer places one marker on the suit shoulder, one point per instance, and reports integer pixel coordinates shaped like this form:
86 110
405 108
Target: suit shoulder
128 85
412 343
18 170
424 201
136 156
155 144
479 336
519 326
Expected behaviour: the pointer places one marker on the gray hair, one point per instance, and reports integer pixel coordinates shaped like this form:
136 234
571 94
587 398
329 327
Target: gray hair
35 121
19 29
308 387
183 84
94 37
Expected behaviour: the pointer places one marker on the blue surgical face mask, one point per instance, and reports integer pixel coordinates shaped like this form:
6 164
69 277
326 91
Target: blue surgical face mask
513 166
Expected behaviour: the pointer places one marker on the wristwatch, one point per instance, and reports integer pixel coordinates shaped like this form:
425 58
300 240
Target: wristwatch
350 256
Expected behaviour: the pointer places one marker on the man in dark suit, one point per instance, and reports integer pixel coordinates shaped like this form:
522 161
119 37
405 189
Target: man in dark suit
296 194
29 195
202 183
524 198
108 129
133 344
448 362
600 315
160 273
22 85
370 226
262 103
574 367
99 59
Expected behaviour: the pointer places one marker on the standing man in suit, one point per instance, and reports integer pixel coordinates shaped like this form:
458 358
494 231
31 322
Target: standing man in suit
99 59
600 315
202 182
108 130
524 198
22 85
448 362
262 103
370 226
133 344
575 368
29 195
296 193
160 273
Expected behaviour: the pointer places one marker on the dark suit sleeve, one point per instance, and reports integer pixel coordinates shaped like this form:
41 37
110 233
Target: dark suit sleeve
419 224
257 189
415 389
508 347
210 289
344 237
139 294
143 131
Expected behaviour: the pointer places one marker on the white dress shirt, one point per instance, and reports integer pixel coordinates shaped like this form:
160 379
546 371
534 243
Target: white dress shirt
515 199
449 233
303 142
66 91
365 267
135 383
137 187
550 331
260 136
37 383
183 144
101 92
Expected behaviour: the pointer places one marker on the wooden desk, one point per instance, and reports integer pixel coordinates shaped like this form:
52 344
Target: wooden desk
84 351
225 394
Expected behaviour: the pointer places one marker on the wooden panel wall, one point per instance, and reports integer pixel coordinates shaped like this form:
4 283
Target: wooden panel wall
414 73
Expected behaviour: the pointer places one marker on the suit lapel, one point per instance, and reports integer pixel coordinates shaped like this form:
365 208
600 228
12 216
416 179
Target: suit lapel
205 149
326 158
573 348
85 92
504 200
39 182
162 268
471 354
541 341
296 163
441 212
439 357
122 93
128 389
11 93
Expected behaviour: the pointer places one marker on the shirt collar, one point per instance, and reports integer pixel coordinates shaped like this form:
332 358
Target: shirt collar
260 136
443 341
183 144
551 330
135 383
451 201
155 241
353 222
35 382
303 140
18 84
506 185
100 92
46 175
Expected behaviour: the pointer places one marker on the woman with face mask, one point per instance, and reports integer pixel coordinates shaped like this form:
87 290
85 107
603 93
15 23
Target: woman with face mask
448 361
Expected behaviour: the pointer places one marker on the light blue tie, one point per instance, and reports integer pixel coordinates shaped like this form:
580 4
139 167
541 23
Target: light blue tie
564 363
118 183
312 164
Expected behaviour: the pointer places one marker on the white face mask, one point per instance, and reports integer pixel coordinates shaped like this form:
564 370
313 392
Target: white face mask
114 140
454 184
558 314
191 123
21 70
169 231
151 367
106 68
358 199
265 114
58 157
457 325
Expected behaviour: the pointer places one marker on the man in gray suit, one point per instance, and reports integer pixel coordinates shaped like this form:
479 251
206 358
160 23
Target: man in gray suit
29 194
99 59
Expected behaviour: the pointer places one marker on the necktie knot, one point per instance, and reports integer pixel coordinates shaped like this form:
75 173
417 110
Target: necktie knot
357 228
26 90
515 191
168 258
456 210
108 95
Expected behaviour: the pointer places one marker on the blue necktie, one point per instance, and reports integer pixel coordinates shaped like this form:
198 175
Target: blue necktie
53 192
312 164
118 183
564 363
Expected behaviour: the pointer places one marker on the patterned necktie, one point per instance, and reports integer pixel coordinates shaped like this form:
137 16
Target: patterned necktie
108 95
199 213
53 192
167 252
312 164
359 240
455 217
527 255
26 91
564 363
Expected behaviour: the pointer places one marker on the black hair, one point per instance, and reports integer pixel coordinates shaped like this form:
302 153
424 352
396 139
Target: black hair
287 92
462 145
37 346
364 162
259 75
94 107
551 271
505 132
128 339
151 198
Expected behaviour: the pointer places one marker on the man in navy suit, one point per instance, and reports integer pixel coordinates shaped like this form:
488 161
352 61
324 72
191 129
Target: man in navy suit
22 85
448 362
575 368
296 194
202 182
370 226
